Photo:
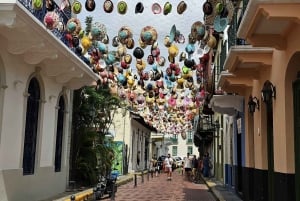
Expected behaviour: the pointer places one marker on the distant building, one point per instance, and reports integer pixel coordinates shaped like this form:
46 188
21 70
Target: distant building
134 135
173 144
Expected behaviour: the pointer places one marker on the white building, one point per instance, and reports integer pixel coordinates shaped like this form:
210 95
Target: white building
135 135
175 145
37 76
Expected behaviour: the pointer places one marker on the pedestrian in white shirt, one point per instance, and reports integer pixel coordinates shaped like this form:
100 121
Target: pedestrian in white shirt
168 166
188 167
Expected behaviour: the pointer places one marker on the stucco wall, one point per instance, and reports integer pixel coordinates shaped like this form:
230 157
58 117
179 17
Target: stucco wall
44 182
282 74
134 135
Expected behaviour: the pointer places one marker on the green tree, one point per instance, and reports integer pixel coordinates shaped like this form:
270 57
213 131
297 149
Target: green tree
93 112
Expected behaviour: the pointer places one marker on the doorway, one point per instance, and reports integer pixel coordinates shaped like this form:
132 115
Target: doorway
268 93
270 147
296 94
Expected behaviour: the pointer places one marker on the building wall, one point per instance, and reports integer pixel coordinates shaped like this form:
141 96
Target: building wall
182 148
140 134
282 76
135 135
258 177
45 182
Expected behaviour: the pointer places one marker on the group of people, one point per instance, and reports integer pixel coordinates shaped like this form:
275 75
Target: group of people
194 166
191 167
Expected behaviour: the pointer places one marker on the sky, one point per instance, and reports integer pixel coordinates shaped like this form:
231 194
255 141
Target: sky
137 21
114 21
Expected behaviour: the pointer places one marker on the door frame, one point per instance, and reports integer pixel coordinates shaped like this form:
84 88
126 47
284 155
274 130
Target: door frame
270 147
296 107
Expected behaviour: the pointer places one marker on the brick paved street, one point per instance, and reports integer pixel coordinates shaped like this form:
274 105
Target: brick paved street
158 188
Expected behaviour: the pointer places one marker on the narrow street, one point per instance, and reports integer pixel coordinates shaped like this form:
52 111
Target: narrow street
159 188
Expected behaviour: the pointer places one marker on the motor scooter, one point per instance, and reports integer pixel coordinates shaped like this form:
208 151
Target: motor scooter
105 185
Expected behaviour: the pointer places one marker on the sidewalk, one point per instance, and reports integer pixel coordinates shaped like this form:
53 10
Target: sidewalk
220 191
84 194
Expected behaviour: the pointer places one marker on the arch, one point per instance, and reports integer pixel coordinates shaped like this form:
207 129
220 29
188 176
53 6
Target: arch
31 126
38 79
60 125
292 89
293 67
61 107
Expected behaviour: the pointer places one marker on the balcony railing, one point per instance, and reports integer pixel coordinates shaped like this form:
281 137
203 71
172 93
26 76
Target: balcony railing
236 20
223 55
64 15
206 124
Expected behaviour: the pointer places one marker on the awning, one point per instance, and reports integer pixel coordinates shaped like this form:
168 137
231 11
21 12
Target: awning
227 104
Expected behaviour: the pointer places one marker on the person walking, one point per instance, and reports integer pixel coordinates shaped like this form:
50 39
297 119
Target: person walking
152 166
156 166
206 165
188 167
195 167
168 166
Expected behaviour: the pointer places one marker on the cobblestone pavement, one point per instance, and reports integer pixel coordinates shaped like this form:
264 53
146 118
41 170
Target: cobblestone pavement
159 188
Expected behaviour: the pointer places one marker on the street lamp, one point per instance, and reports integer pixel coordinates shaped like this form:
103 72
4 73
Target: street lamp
268 92
253 104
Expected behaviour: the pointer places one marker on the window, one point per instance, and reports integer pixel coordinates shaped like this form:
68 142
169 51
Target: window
174 138
174 151
190 150
59 134
190 137
31 126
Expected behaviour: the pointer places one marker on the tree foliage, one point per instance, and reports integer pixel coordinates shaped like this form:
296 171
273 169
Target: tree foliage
93 112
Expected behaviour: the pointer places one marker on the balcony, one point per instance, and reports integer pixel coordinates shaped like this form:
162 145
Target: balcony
205 124
238 14
189 141
24 35
268 23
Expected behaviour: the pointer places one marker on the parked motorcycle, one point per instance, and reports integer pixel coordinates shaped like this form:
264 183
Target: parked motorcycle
106 185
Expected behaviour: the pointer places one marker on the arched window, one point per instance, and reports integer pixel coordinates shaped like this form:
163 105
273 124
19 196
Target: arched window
59 134
31 126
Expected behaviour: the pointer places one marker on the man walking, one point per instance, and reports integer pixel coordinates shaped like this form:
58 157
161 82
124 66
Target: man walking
168 166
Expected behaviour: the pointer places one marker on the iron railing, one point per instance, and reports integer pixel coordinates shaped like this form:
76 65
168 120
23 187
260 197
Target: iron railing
236 20
223 55
65 14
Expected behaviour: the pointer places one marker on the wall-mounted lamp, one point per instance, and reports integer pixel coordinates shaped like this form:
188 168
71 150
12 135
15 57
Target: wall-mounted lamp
253 104
268 92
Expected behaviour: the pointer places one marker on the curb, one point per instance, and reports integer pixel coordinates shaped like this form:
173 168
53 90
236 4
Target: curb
212 189
87 194
124 181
